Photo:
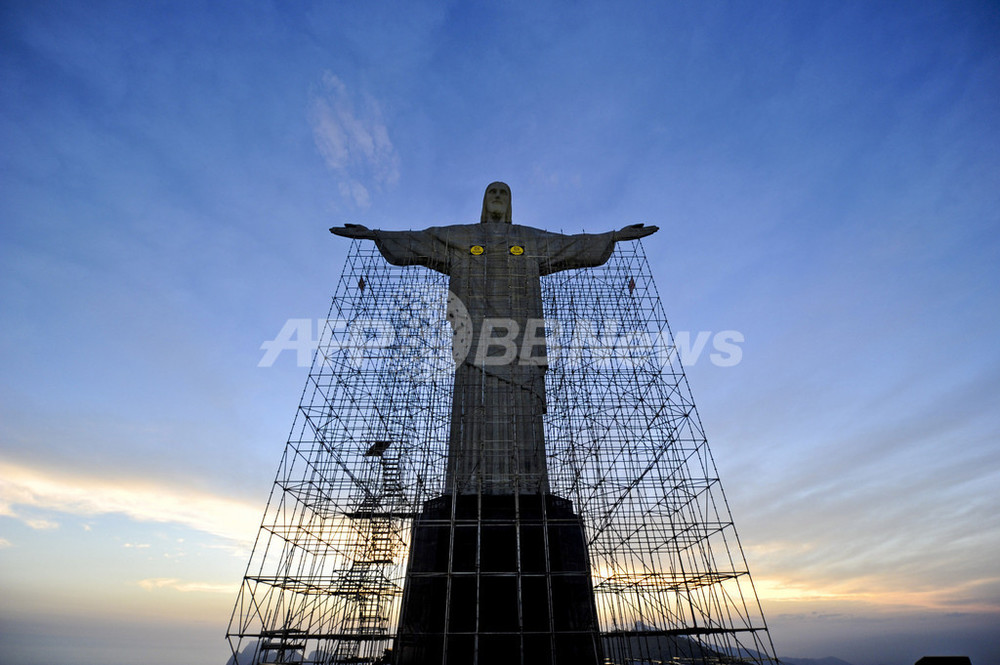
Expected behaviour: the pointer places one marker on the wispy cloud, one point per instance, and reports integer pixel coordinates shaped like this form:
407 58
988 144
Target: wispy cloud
26 490
353 139
155 583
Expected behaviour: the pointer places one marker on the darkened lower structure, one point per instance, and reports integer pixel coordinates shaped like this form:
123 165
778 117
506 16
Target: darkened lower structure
498 579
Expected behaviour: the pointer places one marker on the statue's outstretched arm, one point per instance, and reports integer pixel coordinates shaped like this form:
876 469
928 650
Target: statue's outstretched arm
634 232
353 231
402 248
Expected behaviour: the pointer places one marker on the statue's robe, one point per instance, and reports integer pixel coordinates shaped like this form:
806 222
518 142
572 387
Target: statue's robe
496 442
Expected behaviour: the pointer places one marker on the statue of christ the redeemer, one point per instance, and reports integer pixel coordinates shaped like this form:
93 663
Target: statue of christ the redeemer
496 443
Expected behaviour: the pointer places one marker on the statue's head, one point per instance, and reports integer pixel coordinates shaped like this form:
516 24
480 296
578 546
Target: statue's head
496 203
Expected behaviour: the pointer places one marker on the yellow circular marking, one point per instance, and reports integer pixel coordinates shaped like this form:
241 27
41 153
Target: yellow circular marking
477 249
517 250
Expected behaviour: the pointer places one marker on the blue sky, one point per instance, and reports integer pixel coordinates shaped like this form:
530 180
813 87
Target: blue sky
826 177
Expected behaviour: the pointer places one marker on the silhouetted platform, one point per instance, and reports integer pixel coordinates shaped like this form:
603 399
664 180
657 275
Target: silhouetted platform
498 579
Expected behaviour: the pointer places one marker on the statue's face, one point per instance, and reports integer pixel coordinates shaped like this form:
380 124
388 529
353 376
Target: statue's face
497 201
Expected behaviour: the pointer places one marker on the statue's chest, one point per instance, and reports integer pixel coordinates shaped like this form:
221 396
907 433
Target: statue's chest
497 267
491 249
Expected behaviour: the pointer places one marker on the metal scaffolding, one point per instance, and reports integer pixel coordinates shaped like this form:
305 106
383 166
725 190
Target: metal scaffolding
623 443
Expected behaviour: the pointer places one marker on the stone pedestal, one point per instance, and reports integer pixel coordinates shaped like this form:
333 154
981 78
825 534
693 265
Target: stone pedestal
501 579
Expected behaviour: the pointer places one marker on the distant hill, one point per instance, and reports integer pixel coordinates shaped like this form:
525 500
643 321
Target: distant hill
639 647
829 660
245 657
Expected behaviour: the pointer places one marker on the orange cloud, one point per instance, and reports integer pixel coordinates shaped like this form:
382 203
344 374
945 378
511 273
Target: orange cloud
45 490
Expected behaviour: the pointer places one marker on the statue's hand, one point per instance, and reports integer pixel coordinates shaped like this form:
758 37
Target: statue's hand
353 231
635 231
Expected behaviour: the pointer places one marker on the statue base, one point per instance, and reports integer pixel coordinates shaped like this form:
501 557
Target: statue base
498 579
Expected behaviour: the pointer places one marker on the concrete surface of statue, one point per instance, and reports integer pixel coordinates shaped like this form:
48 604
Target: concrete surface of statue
496 442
